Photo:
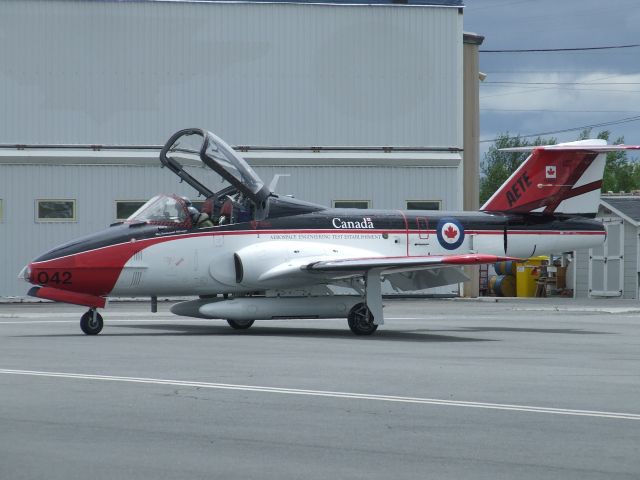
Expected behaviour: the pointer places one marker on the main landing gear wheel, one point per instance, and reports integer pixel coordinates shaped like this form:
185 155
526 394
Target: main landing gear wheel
361 320
91 325
240 324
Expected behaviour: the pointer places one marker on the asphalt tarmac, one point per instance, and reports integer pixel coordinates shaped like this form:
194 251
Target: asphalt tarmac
447 389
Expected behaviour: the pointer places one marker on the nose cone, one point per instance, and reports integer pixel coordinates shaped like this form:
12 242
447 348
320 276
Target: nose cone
81 279
25 273
64 279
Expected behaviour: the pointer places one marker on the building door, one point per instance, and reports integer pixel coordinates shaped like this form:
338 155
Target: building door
606 263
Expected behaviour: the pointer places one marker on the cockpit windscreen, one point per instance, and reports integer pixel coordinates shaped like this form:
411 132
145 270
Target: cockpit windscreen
167 210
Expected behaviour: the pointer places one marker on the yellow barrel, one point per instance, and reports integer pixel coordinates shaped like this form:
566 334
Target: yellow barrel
505 268
505 286
527 275
492 283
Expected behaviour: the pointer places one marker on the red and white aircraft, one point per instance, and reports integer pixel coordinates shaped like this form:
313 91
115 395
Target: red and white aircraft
264 256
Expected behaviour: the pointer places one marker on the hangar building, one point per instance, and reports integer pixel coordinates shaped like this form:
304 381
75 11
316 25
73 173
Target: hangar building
360 102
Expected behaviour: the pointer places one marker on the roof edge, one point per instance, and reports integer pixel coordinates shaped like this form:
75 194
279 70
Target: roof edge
472 38
401 3
619 212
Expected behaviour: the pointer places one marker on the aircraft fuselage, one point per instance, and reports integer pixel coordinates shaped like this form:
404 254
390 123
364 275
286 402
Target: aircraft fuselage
151 260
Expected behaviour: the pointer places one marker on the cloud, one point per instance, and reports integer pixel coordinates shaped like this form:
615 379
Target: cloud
527 109
597 91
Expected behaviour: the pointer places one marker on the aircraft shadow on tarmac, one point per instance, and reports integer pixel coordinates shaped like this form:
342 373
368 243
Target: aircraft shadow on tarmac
422 335
267 331
571 331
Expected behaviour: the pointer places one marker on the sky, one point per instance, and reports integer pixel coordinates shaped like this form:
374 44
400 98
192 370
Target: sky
530 93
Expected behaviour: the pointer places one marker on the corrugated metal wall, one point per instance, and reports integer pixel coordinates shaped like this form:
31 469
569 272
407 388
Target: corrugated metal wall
385 187
256 74
96 188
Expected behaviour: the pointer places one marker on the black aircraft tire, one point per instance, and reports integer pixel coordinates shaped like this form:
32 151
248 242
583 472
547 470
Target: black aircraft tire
361 320
240 324
89 326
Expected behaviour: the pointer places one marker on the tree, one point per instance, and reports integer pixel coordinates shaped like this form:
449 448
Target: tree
620 173
496 166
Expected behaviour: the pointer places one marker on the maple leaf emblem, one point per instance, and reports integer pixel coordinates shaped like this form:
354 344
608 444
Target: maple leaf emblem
550 171
450 232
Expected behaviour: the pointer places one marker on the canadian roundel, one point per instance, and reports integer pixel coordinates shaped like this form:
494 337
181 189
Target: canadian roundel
450 233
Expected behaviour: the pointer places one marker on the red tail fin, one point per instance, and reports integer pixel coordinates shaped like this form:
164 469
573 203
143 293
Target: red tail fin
564 178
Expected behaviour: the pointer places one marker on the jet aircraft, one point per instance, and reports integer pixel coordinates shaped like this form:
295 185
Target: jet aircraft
252 254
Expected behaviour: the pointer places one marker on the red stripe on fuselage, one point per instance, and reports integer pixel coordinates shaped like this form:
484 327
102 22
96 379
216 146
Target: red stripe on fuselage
406 226
93 272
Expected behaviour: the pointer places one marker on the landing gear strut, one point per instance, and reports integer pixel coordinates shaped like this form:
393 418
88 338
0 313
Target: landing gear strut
91 322
361 320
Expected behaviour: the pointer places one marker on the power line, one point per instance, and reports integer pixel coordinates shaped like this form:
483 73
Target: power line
557 83
577 49
549 110
584 127
552 71
528 90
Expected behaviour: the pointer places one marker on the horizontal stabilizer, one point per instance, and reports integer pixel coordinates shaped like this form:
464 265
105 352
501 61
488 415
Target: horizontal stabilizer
570 147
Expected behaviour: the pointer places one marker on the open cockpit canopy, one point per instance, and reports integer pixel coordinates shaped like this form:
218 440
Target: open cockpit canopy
197 145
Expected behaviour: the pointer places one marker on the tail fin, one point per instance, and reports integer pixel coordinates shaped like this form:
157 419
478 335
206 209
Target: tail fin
563 178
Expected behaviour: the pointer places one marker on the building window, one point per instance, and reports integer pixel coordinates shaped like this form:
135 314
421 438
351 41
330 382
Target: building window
56 210
363 204
125 208
424 204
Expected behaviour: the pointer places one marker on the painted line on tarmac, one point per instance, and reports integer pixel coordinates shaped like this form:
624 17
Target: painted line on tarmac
78 314
412 318
177 321
328 394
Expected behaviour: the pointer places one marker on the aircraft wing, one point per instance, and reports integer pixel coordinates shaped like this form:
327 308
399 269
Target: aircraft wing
401 264
409 273
406 273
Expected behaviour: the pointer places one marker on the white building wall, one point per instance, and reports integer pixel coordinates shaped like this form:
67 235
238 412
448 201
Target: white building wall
629 265
385 187
581 260
279 74
95 189
96 185
630 261
270 74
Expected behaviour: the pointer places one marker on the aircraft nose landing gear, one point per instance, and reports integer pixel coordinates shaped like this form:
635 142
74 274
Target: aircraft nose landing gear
91 322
